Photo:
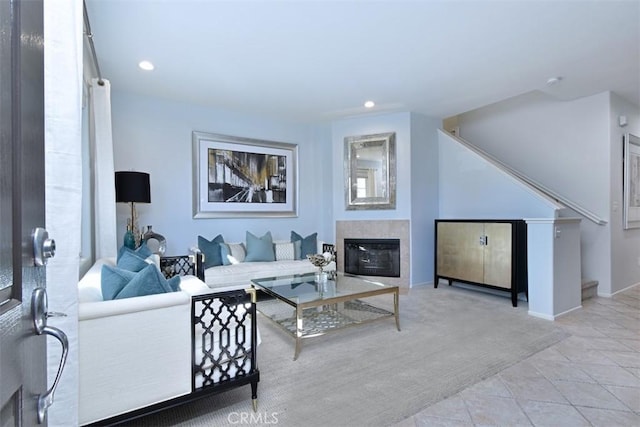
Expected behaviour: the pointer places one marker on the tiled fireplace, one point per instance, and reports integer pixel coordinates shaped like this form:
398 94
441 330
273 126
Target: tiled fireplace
375 231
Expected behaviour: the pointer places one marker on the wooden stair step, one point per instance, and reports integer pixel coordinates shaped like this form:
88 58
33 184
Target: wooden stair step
589 288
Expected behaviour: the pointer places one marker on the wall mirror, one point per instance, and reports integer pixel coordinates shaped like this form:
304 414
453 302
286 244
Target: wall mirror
370 171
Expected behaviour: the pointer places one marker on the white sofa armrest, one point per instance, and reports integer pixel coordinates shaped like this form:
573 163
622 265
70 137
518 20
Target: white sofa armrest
93 310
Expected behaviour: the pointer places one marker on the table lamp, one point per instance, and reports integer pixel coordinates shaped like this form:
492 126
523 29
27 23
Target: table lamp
133 187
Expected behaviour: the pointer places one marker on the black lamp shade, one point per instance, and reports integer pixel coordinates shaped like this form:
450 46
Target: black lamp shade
133 187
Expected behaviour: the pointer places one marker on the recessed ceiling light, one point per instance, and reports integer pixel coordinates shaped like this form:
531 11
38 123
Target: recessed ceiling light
369 104
553 80
146 65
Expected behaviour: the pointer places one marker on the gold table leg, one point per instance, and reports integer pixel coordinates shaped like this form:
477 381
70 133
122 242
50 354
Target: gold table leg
396 308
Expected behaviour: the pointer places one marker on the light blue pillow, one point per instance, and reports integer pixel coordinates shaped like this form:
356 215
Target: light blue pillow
174 283
309 244
130 260
260 248
225 251
297 249
113 280
143 251
148 281
211 250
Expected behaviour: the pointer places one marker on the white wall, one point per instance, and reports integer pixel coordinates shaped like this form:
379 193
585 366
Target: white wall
625 244
154 136
559 144
470 187
568 146
424 196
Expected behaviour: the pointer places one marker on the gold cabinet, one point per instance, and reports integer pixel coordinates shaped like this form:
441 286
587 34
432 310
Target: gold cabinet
481 252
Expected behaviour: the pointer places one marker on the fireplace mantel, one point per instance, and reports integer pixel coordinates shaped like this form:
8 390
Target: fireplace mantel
378 229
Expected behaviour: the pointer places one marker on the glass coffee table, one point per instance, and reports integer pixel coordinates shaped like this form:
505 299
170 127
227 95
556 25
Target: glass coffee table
322 306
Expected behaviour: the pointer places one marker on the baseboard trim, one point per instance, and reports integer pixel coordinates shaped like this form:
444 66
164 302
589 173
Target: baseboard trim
550 316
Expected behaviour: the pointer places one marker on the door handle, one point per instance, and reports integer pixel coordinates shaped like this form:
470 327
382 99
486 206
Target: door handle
39 311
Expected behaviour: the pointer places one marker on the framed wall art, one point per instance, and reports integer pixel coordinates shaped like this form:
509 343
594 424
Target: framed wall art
631 183
243 177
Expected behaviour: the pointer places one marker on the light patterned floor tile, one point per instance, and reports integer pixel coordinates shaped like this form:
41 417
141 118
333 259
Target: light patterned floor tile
563 371
426 421
590 395
630 396
548 354
609 418
539 389
493 386
546 414
626 359
631 344
452 408
610 375
496 411
590 378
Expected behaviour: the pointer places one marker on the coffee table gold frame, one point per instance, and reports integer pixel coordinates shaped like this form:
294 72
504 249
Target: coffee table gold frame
323 307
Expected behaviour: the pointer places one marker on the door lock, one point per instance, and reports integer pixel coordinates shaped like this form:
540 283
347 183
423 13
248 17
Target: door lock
43 247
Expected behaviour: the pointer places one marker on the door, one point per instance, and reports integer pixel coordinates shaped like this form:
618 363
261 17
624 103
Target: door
460 253
22 351
497 255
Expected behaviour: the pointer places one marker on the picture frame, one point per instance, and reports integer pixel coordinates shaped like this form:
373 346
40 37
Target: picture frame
243 177
631 181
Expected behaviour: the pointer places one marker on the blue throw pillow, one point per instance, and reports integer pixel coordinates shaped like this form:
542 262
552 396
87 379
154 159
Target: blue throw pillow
113 280
143 251
260 248
174 283
309 244
297 249
148 281
211 250
130 260
225 251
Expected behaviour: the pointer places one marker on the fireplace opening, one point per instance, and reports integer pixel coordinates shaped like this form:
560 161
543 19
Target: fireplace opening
372 257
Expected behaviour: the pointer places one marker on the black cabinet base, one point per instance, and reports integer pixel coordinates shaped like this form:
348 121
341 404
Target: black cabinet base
513 292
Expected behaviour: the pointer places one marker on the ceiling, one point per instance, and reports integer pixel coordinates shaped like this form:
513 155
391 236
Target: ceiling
313 61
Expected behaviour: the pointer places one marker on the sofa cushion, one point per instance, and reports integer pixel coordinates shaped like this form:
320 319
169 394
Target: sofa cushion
211 250
142 251
132 261
174 283
148 281
232 253
309 244
284 251
259 248
113 280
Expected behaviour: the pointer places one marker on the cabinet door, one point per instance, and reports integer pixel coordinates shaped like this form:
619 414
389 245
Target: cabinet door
460 254
497 254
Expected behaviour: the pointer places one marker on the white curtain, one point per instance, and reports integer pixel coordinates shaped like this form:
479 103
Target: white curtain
104 193
63 191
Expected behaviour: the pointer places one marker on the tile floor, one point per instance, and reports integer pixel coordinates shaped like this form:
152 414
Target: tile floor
591 378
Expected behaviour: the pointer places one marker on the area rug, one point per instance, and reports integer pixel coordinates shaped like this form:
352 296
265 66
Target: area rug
373 375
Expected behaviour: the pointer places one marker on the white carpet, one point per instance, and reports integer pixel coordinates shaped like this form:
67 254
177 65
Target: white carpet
373 375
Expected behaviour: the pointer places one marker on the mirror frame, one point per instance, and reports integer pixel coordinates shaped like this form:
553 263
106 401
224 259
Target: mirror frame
351 145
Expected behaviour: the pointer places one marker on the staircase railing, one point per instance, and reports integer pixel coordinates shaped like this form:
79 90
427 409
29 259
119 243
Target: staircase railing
533 183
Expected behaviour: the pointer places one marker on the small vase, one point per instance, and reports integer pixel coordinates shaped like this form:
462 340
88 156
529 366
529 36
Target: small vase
129 239
154 241
321 276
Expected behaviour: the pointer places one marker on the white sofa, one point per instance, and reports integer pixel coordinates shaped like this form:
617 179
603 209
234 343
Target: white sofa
239 276
136 352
